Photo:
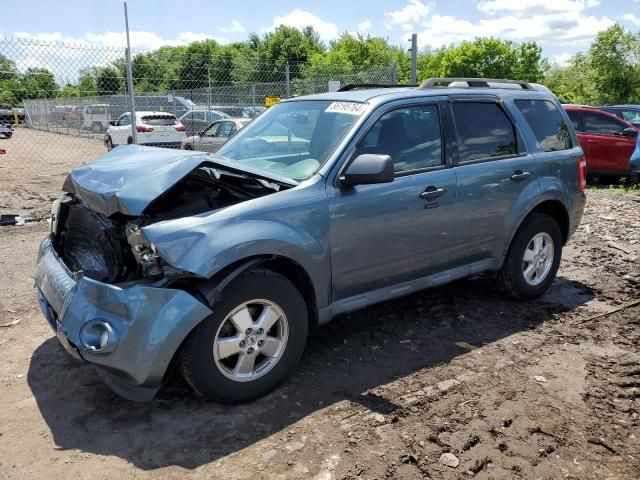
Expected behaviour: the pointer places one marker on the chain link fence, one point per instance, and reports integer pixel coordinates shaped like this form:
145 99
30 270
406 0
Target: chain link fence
58 101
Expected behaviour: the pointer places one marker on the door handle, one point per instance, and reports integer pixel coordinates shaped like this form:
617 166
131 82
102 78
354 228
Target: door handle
431 193
518 176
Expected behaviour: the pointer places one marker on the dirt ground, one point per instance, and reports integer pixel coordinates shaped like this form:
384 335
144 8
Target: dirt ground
543 390
36 164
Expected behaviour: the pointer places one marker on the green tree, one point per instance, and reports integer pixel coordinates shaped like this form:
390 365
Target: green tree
7 69
38 83
87 85
613 60
109 81
572 83
69 91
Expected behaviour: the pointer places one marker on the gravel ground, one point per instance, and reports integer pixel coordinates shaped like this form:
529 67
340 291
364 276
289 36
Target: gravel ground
454 382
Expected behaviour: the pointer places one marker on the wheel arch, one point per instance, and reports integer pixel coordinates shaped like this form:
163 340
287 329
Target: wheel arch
208 291
552 207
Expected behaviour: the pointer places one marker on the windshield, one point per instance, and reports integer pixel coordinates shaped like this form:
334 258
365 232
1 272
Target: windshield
293 139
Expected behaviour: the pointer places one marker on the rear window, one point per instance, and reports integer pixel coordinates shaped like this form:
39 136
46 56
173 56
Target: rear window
547 124
484 131
160 120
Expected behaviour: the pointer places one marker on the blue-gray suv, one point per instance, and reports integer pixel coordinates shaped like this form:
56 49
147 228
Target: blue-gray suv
219 265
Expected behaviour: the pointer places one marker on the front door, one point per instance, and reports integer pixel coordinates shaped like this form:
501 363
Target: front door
608 149
386 234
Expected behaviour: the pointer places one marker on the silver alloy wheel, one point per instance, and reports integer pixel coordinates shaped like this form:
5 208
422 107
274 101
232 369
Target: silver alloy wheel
538 259
251 340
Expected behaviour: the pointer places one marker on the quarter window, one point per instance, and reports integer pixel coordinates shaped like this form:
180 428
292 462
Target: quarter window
410 136
484 131
601 124
547 124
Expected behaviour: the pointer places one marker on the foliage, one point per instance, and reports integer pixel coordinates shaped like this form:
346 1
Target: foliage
608 72
485 57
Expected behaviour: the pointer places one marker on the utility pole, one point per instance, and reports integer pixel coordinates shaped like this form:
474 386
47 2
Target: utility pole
414 57
130 79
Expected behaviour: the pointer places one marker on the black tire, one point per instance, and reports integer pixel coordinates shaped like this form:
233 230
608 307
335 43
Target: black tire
129 140
108 143
188 146
96 127
511 278
197 361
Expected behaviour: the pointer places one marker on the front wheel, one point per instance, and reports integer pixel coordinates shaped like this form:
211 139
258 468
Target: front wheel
533 258
108 143
252 341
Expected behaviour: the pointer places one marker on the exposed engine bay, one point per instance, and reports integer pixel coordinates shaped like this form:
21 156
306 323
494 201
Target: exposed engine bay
112 249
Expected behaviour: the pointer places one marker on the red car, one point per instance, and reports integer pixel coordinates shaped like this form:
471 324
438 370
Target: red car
607 141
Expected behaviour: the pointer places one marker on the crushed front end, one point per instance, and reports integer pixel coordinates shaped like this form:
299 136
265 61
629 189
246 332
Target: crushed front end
107 307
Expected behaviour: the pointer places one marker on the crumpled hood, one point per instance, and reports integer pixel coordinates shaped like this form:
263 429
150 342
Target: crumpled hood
129 178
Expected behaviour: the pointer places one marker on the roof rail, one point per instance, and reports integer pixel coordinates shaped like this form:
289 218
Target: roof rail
364 86
471 82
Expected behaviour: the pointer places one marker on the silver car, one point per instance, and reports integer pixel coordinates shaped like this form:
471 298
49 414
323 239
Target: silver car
215 135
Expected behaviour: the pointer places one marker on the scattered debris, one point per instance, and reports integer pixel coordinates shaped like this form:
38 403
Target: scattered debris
540 379
602 443
11 324
620 247
450 460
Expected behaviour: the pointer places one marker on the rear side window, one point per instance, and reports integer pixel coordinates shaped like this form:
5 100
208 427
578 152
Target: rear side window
484 131
547 124
602 124
159 120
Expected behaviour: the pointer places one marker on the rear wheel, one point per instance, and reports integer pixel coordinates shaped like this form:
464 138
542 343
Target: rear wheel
250 343
533 258
96 127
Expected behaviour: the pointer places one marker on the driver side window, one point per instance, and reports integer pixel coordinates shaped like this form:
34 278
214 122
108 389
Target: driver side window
602 124
410 136
124 120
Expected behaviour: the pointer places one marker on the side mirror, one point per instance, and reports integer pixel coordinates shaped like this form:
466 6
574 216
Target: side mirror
113 123
630 132
368 169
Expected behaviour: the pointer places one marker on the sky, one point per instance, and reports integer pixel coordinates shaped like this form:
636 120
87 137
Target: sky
561 27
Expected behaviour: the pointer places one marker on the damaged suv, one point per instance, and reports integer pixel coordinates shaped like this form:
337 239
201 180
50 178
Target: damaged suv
218 265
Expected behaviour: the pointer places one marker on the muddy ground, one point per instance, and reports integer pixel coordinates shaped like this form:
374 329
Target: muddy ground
543 390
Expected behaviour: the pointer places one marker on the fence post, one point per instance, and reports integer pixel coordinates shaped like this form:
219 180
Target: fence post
414 58
313 86
394 73
287 80
253 97
130 78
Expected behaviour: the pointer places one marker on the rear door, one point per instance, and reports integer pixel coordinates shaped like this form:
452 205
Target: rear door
608 149
493 169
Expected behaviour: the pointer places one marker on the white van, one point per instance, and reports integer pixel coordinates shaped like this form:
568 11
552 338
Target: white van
96 117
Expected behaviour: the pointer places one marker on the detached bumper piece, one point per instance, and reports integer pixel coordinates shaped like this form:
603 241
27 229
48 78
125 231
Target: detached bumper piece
129 332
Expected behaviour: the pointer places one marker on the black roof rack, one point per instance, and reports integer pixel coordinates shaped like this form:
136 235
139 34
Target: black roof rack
364 86
471 82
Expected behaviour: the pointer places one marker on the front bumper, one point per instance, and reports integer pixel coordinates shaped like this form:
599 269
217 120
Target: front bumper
148 324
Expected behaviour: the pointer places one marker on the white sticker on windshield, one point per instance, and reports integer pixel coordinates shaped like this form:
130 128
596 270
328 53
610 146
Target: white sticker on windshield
351 108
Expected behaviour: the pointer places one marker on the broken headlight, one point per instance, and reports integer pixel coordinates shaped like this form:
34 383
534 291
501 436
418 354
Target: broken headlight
144 252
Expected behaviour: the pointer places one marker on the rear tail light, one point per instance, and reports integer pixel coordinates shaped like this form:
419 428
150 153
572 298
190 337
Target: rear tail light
181 128
143 129
582 173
